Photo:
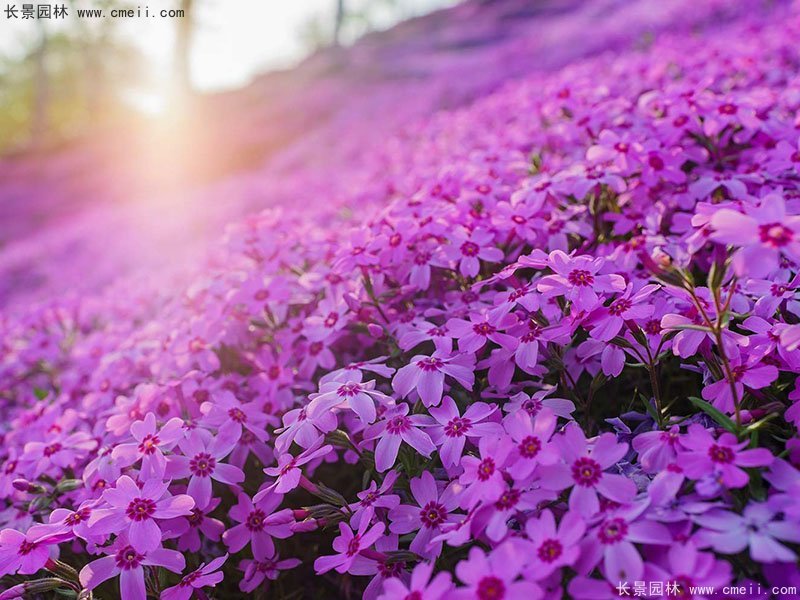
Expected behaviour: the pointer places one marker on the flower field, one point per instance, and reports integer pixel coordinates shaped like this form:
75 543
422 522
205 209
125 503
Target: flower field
539 343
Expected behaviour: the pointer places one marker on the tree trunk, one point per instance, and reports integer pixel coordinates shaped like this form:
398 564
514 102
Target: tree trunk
337 26
183 46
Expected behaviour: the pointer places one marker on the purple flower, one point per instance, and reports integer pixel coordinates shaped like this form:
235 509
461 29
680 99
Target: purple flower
584 468
483 474
134 511
204 576
577 278
149 446
550 547
359 397
258 524
348 545
426 374
495 575
127 562
421 586
453 430
397 427
287 474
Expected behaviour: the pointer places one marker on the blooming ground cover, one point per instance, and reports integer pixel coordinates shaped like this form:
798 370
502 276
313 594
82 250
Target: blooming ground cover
549 345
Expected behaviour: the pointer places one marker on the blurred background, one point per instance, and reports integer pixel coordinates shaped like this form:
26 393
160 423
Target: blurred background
64 76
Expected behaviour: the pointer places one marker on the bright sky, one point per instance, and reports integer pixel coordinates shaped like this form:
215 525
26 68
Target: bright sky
234 39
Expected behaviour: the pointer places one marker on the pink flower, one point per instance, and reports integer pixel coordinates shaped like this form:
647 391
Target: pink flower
255 571
127 562
204 576
469 248
149 446
258 524
60 451
421 586
722 458
584 469
374 497
26 553
287 474
395 428
359 397
453 430
606 321
472 335
532 439
202 462
433 511
763 234
483 475
299 428
134 511
552 548
495 575
577 279
690 568
231 416
348 545
426 374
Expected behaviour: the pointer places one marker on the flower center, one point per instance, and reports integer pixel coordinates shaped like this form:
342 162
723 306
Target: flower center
580 277
398 425
128 558
586 472
331 319
430 364
619 306
483 329
485 469
202 465
532 406
149 443
349 390
470 249
728 109
140 509
26 547
195 518
432 514
457 427
491 588
720 454
612 531
255 520
52 449
775 235
508 500
550 550
530 446
354 546
237 415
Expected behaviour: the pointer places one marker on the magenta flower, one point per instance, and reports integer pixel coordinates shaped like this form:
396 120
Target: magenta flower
149 446
397 427
26 553
613 539
374 497
258 524
584 468
201 462
551 547
134 511
721 459
426 374
757 528
231 417
453 430
483 475
495 575
532 439
60 451
256 571
472 335
127 562
577 278
750 373
197 523
206 575
606 321
305 431
287 474
763 234
432 512
657 449
348 545
690 568
468 248
420 587
359 397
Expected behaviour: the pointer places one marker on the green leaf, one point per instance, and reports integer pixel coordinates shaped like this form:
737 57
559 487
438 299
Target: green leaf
722 419
651 410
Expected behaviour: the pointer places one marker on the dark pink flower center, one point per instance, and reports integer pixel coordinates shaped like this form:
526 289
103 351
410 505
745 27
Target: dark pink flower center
720 454
486 469
202 465
728 109
255 520
354 546
612 531
52 449
140 509
348 390
483 328
331 319
586 472
237 415
195 518
532 406
580 277
398 425
79 516
432 514
656 162
518 219
549 550
470 249
621 147
415 595
530 446
128 558
430 364
508 500
775 235
619 306
457 427
778 289
190 579
149 444
26 547
491 588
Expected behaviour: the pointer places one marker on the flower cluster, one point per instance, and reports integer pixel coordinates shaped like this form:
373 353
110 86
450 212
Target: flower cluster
552 345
